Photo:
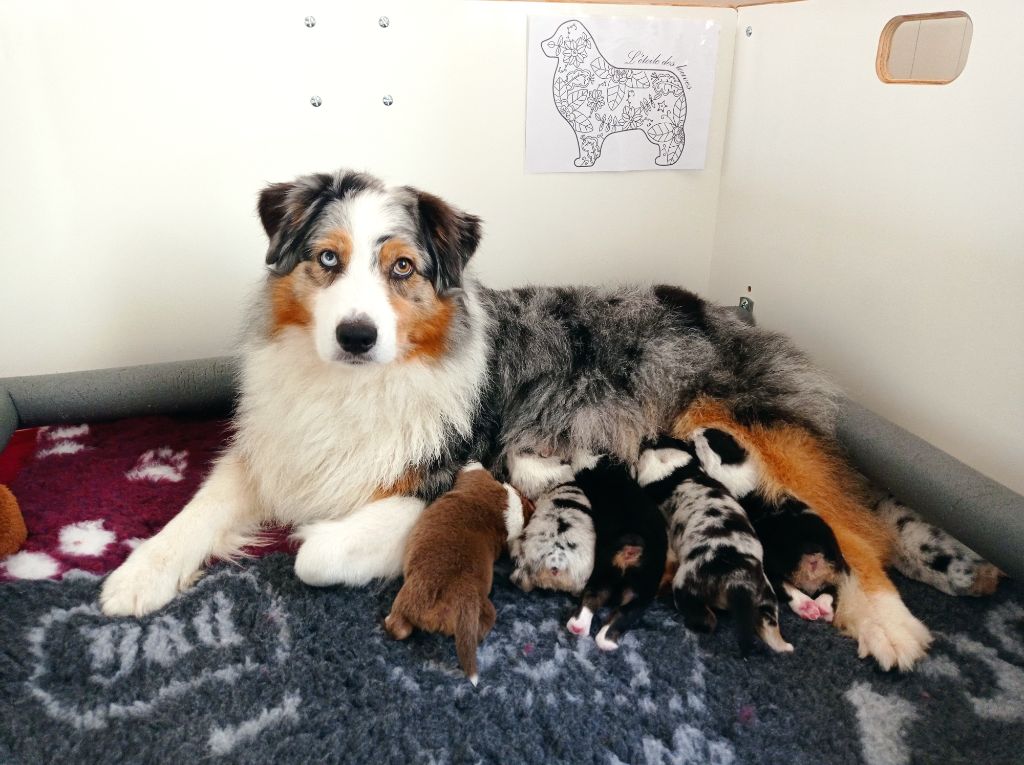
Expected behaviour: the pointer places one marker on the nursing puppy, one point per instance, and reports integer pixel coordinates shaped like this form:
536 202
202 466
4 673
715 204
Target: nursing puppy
719 554
801 555
556 549
449 563
629 554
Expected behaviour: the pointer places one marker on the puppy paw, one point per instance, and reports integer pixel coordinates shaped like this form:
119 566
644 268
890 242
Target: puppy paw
604 642
824 602
772 637
580 623
809 610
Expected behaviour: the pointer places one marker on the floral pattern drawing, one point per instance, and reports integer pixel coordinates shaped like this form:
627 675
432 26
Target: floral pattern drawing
598 99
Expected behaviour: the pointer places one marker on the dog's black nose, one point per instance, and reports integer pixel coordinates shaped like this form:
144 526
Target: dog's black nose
357 336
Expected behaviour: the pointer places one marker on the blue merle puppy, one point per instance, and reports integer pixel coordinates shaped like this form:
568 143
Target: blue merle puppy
801 549
802 558
556 548
629 552
719 554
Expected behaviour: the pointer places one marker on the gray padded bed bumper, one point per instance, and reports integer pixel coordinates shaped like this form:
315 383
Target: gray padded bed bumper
984 514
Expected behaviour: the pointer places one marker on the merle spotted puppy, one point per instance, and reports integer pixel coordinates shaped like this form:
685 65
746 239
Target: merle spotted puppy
797 540
802 558
556 549
630 550
720 556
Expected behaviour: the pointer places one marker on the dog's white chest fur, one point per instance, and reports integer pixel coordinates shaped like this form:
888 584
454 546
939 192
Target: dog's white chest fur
319 439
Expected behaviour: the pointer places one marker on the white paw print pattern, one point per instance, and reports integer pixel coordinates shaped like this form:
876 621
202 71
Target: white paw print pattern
85 538
30 565
156 465
62 439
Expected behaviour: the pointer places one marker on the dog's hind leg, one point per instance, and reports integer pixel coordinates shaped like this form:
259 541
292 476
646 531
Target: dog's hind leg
620 622
397 625
488 616
797 462
593 599
930 555
365 545
217 523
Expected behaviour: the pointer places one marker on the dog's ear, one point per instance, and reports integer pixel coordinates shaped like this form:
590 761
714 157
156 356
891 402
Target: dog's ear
272 206
450 236
276 212
286 211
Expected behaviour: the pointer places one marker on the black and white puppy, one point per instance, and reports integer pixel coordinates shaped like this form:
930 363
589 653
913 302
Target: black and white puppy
630 550
720 556
556 549
801 554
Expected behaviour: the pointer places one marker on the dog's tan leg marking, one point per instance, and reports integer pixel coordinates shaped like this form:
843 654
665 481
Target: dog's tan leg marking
796 462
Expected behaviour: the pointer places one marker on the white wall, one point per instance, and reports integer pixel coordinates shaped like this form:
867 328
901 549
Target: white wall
883 225
135 136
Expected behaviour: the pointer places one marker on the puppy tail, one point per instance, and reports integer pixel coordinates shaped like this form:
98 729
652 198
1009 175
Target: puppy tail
741 604
467 637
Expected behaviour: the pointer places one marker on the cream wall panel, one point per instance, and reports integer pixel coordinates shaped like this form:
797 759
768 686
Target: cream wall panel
135 137
881 225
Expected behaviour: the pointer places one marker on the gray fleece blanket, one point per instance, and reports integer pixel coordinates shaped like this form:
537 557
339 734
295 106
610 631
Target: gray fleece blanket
253 666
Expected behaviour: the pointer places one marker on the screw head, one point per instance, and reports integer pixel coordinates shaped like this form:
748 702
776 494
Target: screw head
384 22
388 100
750 31
310 21
316 101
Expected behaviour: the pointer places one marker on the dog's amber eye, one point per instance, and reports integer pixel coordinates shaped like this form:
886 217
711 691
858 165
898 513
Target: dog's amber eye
402 269
328 259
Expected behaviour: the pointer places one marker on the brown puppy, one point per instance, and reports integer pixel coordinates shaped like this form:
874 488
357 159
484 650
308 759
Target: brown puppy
449 562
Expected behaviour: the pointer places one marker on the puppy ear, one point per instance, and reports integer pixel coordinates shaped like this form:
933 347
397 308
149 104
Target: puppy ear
451 237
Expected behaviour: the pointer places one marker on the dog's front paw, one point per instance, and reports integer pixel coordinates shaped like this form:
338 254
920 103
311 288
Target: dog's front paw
146 581
885 629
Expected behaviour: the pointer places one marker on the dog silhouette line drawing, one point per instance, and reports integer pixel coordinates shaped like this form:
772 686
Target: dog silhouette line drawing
598 99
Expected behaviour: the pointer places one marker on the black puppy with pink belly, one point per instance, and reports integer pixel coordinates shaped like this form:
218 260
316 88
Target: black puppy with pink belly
630 550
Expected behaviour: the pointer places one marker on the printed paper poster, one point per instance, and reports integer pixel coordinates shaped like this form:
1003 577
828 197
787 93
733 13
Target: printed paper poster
618 93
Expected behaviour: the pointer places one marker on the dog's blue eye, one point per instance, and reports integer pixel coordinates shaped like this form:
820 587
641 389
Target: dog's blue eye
402 269
328 259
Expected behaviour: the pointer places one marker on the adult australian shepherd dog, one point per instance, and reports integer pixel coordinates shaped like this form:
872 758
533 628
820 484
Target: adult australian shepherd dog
376 366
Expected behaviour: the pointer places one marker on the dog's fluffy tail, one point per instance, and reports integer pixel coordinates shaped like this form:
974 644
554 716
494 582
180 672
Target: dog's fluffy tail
467 636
